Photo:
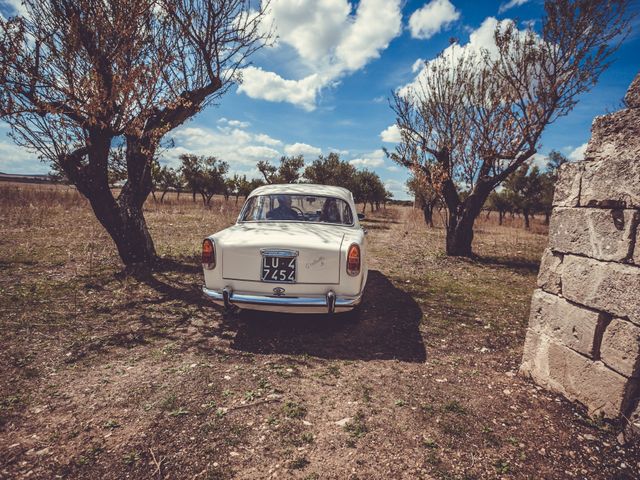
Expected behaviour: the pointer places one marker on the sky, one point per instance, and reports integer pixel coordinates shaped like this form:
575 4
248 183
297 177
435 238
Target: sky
325 84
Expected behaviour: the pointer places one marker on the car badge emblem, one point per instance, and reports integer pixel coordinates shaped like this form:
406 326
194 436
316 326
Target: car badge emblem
278 291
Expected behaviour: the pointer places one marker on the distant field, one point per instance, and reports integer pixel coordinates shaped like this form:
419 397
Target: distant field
109 376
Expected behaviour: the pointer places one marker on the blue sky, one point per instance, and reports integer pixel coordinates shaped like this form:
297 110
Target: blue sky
324 86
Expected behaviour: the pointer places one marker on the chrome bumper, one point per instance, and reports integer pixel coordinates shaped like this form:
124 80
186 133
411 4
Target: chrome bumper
330 303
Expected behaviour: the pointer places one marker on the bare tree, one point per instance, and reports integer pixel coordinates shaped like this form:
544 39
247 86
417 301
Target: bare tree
473 118
76 76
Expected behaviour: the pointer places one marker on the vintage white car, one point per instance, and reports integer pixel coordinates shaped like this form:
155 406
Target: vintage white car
295 248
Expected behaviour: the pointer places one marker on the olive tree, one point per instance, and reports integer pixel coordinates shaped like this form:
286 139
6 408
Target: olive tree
287 172
78 76
475 117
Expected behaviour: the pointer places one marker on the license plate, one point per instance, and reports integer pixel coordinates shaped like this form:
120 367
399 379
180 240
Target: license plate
278 269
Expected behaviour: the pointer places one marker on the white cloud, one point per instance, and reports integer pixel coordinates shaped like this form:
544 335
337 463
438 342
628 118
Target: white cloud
434 16
539 160
373 159
377 22
338 151
259 152
16 7
393 168
417 65
330 42
398 188
481 39
234 123
312 27
391 134
577 154
15 159
240 148
258 83
510 4
302 149
267 140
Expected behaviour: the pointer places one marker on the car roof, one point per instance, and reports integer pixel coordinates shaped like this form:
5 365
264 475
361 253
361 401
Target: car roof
304 189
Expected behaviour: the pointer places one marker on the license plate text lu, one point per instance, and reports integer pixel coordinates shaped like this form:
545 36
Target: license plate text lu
278 269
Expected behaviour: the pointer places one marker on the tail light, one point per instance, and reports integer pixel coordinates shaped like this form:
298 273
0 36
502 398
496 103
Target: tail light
353 260
208 254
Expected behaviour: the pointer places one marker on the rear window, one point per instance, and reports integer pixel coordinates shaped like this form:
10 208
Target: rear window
297 208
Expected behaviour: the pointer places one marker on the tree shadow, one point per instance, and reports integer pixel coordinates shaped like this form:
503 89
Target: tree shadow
519 264
385 327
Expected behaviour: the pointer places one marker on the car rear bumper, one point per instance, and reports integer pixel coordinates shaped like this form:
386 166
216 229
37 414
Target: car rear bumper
329 303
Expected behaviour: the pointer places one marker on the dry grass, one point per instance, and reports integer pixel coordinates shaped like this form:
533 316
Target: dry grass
110 376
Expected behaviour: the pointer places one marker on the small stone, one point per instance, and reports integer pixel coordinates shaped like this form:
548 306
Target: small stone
44 451
227 377
343 422
588 436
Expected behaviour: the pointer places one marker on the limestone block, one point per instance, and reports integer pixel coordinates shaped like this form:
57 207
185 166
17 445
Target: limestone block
610 287
632 98
620 349
571 325
612 182
567 188
578 378
636 251
598 233
549 275
615 135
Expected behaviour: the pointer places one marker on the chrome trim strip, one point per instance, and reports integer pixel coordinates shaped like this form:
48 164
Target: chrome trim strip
279 252
240 299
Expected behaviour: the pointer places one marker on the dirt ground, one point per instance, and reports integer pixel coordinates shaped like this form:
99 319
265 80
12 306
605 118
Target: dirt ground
105 375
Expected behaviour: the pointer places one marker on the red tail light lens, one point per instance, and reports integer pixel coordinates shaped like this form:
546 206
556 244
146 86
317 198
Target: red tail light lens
208 254
353 260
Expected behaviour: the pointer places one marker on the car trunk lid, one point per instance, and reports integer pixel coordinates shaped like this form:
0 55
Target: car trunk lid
317 246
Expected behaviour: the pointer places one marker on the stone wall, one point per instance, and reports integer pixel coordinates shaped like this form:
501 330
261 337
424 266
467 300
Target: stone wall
583 339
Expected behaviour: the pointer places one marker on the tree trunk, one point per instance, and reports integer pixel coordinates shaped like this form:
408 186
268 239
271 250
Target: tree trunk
164 192
462 216
459 236
427 210
127 227
526 219
123 217
500 217
547 214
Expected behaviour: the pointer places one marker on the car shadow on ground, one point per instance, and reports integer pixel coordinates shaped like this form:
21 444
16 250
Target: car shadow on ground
385 327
